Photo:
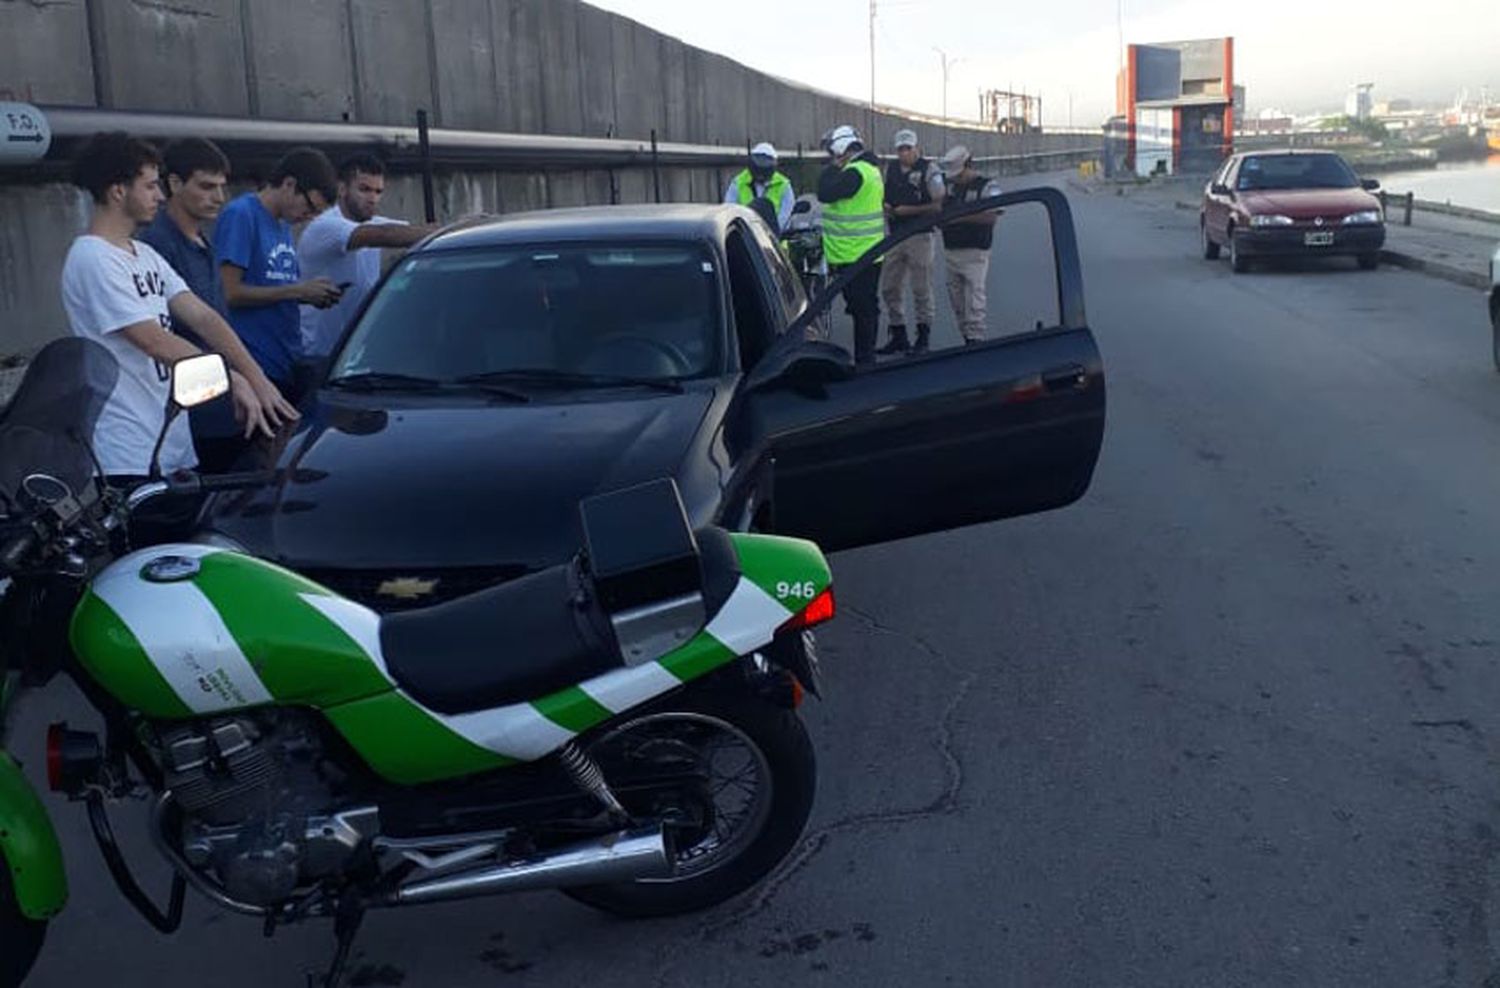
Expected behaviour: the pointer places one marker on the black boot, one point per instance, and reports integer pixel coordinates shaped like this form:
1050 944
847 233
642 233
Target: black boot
924 331
897 343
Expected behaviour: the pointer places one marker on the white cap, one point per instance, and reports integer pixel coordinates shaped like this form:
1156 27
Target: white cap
840 138
904 139
953 162
764 150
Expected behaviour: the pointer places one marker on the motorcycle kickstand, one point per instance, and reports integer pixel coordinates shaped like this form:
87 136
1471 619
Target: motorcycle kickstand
348 915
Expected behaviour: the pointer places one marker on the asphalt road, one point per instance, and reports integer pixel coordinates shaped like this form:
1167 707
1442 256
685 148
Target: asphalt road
1230 720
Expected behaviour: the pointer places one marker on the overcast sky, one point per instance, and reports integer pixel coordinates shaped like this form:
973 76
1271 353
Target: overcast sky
1297 55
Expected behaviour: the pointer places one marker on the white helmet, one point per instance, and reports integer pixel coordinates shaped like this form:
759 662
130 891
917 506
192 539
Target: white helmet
841 139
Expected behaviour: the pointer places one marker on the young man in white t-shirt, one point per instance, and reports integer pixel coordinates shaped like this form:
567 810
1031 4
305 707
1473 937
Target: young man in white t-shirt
120 292
343 245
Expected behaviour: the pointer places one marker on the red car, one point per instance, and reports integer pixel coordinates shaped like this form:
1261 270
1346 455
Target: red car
1291 204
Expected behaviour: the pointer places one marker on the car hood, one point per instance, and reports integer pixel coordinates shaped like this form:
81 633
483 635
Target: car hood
1309 203
373 483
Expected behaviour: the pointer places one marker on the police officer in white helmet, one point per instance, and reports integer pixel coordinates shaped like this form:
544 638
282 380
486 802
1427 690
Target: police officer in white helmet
853 196
762 180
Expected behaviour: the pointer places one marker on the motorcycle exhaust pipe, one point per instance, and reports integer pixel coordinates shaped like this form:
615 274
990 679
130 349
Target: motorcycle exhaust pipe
621 857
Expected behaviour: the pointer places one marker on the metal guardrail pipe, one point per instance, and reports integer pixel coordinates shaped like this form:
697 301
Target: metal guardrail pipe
400 145
1038 155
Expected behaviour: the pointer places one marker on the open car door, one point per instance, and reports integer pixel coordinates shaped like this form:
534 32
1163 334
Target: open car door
1004 427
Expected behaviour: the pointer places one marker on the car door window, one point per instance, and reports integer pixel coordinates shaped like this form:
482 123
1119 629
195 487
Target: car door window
755 326
788 286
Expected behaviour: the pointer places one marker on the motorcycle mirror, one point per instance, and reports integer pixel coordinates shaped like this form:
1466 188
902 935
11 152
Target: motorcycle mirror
802 206
195 380
199 379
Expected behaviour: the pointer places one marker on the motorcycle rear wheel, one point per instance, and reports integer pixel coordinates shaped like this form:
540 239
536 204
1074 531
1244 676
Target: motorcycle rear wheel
722 852
20 938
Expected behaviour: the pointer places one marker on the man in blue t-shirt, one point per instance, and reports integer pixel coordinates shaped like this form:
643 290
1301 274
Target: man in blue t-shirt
262 280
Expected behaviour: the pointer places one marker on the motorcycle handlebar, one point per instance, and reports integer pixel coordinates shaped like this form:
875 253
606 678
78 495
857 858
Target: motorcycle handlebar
235 481
192 483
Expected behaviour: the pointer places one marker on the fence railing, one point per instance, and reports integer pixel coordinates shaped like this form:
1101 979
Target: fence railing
1408 200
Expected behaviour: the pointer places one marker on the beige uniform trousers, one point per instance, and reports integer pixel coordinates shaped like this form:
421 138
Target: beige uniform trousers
912 258
968 268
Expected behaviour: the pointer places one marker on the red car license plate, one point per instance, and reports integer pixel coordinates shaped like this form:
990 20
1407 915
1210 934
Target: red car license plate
1319 238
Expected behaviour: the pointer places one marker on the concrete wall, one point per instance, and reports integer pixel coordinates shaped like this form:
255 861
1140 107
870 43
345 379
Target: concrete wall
527 66
533 66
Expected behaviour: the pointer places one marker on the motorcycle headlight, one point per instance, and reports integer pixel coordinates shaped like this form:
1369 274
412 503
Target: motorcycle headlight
1270 219
1367 216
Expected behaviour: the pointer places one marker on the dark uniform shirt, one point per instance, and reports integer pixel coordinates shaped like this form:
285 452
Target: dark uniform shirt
961 236
907 188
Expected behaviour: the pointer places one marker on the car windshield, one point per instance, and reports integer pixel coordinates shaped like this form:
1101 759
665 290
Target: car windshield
588 314
1295 171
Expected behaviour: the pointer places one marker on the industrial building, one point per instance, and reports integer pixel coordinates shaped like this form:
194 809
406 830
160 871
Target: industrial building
1176 104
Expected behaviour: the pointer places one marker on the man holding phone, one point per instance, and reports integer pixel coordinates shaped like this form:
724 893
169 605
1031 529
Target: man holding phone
343 245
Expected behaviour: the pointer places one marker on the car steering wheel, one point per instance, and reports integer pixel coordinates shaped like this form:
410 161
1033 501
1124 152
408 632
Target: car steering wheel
668 360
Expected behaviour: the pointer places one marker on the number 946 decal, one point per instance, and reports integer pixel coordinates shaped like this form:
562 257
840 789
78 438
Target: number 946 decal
802 590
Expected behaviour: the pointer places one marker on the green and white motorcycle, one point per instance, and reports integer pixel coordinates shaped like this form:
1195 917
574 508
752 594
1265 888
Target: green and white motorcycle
622 728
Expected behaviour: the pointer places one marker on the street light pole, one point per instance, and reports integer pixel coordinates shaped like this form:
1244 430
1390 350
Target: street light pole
947 64
870 127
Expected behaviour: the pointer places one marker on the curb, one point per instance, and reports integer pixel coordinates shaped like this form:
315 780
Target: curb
1436 269
1463 212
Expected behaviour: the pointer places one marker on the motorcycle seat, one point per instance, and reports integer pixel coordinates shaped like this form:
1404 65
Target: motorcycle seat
524 639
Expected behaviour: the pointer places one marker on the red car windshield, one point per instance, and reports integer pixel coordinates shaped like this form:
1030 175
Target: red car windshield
1294 171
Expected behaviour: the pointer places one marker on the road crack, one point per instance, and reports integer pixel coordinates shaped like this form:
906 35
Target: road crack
945 803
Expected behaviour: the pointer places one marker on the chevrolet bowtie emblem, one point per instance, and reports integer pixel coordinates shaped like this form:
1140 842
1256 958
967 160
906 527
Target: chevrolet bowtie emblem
406 588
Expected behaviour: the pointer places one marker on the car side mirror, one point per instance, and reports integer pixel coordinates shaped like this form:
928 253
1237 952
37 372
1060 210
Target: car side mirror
803 367
195 381
1369 184
1218 189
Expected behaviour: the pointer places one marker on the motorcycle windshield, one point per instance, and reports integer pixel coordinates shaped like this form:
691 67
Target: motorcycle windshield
49 423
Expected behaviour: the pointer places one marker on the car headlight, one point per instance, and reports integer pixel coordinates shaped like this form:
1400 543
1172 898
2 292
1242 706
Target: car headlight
1368 216
1270 219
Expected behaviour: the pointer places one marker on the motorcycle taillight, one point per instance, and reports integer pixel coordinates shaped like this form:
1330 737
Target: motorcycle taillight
818 610
74 759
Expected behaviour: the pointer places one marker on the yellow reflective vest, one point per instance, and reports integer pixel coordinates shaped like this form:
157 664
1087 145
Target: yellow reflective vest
852 226
775 188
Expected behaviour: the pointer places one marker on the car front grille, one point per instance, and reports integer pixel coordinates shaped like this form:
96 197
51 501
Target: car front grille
406 589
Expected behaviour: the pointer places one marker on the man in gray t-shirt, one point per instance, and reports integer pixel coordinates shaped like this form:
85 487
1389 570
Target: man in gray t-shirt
343 245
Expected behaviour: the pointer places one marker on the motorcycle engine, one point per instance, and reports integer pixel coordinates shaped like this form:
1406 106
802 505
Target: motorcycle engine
261 806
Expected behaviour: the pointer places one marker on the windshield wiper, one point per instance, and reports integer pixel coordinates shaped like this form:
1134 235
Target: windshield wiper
563 378
384 381
388 381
